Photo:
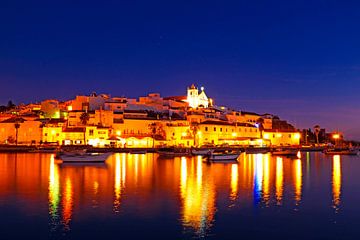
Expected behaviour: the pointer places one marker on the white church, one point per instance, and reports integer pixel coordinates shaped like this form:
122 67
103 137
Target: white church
196 99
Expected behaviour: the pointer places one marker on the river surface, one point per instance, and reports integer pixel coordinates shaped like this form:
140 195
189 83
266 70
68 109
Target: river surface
147 197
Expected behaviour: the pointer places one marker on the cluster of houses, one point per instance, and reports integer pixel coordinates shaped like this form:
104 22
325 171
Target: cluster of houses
150 121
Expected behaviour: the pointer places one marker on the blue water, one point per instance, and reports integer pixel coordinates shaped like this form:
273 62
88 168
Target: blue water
146 197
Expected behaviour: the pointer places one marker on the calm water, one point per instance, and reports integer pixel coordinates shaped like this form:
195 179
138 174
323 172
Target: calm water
143 196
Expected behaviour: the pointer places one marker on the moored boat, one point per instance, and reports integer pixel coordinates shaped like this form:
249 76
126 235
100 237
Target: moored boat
223 156
137 152
285 152
341 151
84 157
173 152
200 152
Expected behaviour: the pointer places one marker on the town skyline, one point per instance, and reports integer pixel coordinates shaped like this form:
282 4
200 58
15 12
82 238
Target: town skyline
252 103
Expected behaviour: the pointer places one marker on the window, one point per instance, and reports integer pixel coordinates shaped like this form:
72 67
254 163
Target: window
220 129
273 135
91 132
206 129
226 130
45 134
214 129
289 135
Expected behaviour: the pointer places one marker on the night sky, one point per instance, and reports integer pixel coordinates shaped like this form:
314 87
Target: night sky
297 59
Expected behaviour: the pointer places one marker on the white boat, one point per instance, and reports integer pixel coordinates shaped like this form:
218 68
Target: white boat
222 157
85 157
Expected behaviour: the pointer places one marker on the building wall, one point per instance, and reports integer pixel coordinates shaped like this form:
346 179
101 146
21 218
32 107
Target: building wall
29 132
282 138
218 134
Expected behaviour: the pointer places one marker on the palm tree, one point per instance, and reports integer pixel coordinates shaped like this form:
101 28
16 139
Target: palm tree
317 131
85 117
17 126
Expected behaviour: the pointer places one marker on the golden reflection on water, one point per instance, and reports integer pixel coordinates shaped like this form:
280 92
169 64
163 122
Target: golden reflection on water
234 181
279 180
298 180
198 187
266 164
336 181
54 188
198 196
67 203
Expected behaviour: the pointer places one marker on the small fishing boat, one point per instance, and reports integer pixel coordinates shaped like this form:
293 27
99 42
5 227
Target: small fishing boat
341 151
200 152
84 157
173 152
256 150
137 152
223 156
285 152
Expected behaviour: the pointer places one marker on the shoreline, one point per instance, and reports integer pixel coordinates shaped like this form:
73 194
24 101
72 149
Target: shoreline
54 149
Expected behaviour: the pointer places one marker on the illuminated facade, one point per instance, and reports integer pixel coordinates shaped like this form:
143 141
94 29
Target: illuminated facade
196 99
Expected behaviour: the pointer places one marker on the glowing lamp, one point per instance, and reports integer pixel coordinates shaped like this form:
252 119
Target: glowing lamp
70 108
336 136
118 133
234 134
183 134
279 135
297 136
266 136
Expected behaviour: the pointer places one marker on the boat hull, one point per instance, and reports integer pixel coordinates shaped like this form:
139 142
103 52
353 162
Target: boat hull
85 158
223 157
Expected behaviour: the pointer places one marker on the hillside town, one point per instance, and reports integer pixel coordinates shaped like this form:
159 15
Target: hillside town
192 120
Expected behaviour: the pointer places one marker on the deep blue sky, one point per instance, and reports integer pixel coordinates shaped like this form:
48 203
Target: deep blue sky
297 59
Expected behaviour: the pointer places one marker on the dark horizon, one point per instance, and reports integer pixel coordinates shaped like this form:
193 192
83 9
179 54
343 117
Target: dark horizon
297 60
